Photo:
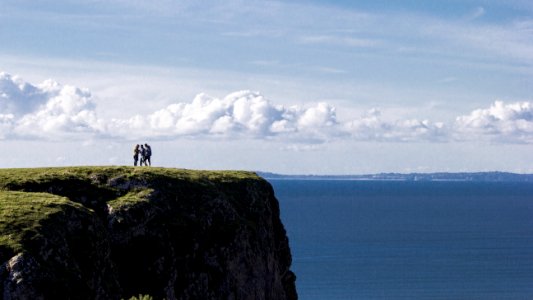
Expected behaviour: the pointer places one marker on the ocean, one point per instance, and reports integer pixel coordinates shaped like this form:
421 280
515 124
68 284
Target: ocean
409 239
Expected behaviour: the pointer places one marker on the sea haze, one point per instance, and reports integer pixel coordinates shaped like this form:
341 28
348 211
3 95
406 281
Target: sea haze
409 239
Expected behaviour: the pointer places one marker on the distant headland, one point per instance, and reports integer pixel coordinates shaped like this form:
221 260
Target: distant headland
440 176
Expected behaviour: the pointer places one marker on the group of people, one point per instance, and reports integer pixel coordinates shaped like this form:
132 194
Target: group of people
146 153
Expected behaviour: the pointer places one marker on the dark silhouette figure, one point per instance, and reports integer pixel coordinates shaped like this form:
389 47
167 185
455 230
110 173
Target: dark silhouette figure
143 155
147 155
136 155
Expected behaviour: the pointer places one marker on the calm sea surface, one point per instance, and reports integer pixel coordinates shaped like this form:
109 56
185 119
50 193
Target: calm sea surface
409 240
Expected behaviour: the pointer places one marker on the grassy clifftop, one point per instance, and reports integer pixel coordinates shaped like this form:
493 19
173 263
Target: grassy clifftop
113 232
29 196
22 216
9 177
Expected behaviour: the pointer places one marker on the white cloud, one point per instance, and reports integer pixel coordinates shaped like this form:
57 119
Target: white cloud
500 122
316 117
48 110
372 127
17 96
6 125
239 114
54 111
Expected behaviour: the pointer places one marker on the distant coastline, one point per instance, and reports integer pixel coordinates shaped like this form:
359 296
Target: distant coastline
440 176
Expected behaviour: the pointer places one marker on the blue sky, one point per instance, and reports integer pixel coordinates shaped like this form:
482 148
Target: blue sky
323 87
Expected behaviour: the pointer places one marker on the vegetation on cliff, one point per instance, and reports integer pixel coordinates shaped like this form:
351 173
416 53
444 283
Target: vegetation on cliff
115 232
22 215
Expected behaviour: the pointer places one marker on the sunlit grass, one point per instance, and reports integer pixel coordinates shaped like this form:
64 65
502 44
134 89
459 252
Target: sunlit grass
30 196
21 216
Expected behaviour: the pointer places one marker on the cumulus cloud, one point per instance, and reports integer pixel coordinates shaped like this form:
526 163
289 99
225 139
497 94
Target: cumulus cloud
54 111
48 110
6 125
239 114
500 122
18 97
372 127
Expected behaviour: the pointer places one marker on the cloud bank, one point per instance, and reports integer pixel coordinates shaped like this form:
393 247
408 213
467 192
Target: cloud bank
52 111
48 110
240 114
501 122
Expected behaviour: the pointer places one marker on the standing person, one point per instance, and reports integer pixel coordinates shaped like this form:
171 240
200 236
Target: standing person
135 155
148 155
143 155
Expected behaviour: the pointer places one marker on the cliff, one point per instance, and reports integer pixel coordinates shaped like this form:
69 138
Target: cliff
117 232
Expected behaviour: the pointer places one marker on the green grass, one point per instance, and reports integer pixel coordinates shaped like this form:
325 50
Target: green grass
131 198
44 209
21 216
10 177
102 184
29 196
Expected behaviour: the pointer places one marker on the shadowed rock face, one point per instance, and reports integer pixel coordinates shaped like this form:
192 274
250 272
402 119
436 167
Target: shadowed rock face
121 232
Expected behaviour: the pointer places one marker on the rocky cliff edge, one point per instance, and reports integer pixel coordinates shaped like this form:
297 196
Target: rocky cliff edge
117 232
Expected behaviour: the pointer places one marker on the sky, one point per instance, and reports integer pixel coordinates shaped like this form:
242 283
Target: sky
292 87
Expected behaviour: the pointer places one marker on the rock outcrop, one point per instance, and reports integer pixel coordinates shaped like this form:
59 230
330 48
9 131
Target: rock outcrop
117 232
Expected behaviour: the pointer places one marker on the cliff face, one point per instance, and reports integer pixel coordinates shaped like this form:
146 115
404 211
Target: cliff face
112 233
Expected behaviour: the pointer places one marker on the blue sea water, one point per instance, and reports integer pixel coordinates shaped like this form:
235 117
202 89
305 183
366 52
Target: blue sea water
409 240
